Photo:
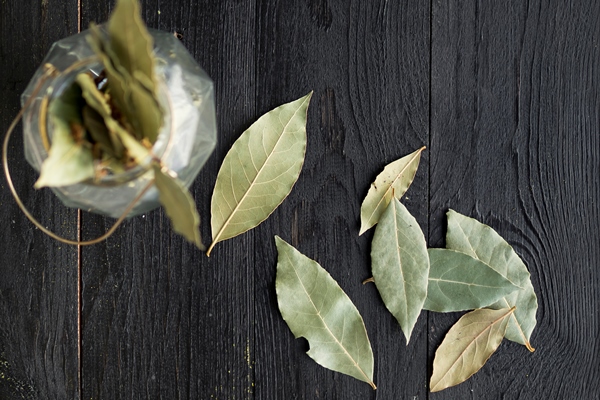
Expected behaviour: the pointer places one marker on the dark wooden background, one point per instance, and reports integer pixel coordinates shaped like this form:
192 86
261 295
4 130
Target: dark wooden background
504 94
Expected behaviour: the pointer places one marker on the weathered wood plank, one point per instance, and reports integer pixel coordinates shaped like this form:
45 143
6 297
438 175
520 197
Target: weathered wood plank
515 127
514 143
161 320
38 276
368 63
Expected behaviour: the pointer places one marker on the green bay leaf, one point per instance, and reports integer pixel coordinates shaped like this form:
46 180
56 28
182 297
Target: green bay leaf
68 162
482 242
97 101
94 123
467 346
116 76
400 264
131 84
131 46
134 148
93 97
146 109
259 170
459 282
179 206
316 308
129 39
393 181
69 159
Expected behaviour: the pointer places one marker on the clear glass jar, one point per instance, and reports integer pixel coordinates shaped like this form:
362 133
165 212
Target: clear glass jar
186 140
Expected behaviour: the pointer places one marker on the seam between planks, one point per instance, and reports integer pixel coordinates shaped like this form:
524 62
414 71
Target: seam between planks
79 305
79 267
427 347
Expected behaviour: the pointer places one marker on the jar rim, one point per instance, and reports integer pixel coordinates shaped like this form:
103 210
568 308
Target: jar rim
161 147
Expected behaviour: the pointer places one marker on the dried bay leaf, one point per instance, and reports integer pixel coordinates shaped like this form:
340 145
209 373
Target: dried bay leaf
482 242
393 181
522 322
116 75
70 158
459 282
132 45
68 162
179 206
400 264
129 63
134 148
111 165
148 115
95 99
259 170
129 39
316 308
97 129
118 135
467 346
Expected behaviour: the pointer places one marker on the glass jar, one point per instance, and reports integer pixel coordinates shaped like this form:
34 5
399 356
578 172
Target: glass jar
186 140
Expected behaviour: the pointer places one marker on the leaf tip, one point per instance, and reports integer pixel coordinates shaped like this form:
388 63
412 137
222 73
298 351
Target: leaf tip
305 99
279 241
200 245
529 347
39 183
407 334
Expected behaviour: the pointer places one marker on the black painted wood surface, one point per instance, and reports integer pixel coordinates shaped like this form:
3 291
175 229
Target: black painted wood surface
504 94
38 277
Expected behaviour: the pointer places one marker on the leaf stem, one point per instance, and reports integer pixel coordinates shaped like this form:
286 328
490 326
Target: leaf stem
210 248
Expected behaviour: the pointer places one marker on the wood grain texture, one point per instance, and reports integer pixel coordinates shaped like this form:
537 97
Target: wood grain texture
38 277
504 95
161 320
515 145
368 66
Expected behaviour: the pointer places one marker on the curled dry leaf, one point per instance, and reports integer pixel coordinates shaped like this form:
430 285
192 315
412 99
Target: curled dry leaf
134 148
116 75
97 129
118 137
131 53
259 170
97 101
146 108
69 160
316 308
179 205
483 243
127 55
393 181
459 282
400 265
129 39
92 95
467 346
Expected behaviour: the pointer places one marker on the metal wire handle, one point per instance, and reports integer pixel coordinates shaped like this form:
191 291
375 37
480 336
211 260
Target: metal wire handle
50 71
